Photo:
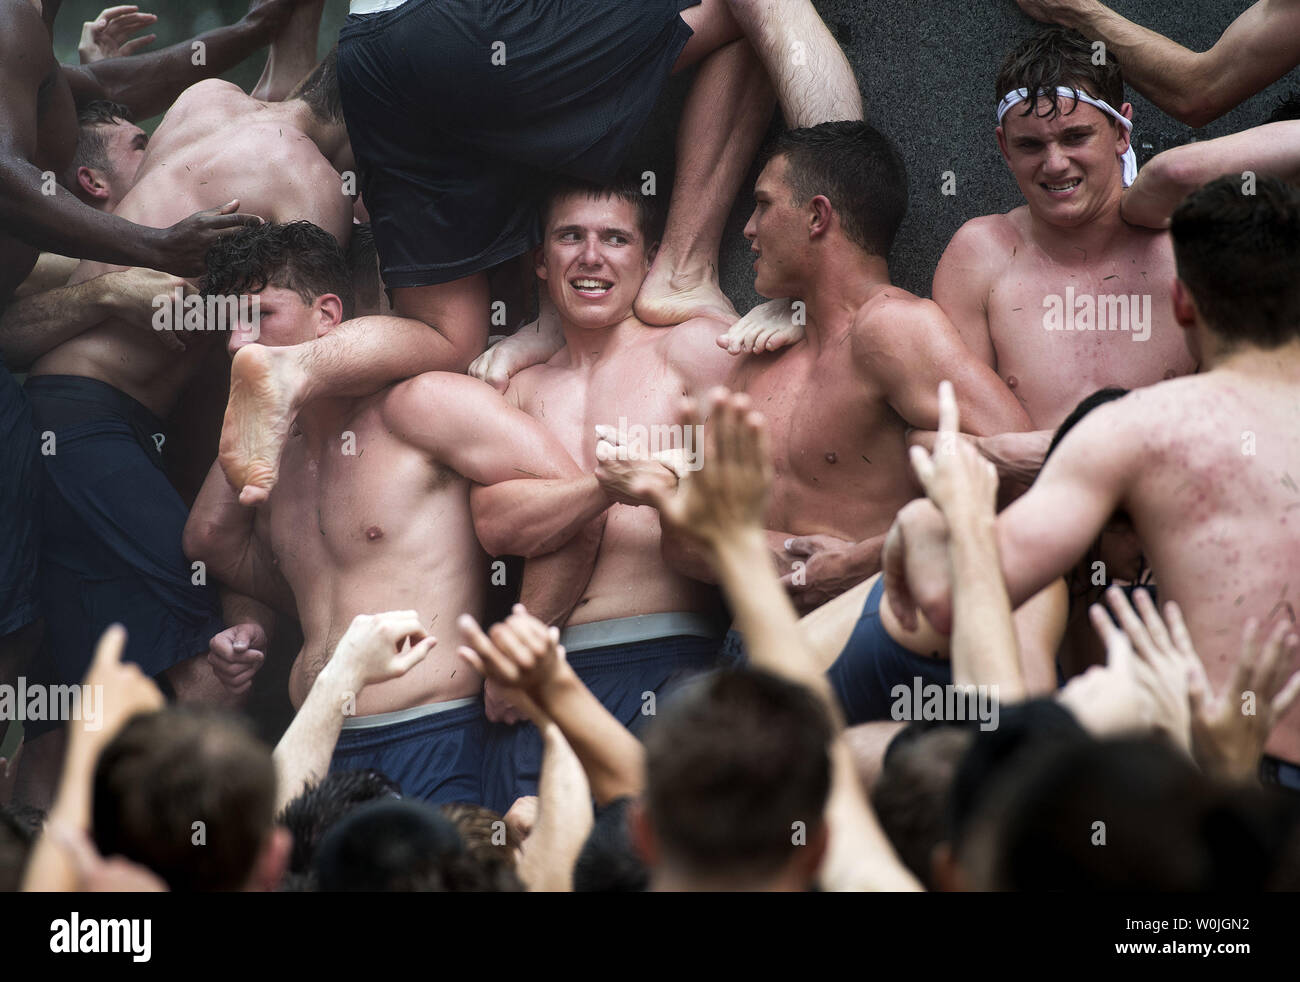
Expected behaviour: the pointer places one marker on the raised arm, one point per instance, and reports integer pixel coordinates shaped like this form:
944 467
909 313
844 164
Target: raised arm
59 222
150 82
1161 186
293 53
1257 49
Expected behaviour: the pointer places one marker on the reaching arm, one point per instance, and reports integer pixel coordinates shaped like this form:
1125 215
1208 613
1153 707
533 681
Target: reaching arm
1257 49
40 322
564 817
1161 186
722 505
375 648
148 83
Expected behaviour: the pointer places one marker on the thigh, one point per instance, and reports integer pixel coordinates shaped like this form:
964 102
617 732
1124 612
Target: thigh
460 310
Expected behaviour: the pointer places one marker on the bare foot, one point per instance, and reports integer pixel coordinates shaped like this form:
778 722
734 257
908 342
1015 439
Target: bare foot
768 327
531 345
669 297
264 385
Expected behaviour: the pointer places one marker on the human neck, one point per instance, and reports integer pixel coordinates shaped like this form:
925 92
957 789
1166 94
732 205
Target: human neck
1084 242
667 879
588 345
1283 361
841 282
330 139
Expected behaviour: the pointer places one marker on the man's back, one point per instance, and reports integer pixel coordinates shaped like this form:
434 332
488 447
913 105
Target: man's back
1056 323
216 144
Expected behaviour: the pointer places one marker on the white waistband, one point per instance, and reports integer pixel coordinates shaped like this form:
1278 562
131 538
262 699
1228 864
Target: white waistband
373 6
643 627
405 715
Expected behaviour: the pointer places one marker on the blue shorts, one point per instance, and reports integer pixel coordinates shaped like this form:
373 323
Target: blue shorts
619 676
433 753
111 526
20 529
872 663
459 111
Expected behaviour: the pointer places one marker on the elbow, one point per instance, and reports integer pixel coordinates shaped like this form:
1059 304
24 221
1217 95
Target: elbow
1196 106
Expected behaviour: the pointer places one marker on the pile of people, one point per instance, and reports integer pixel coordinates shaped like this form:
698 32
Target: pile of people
594 583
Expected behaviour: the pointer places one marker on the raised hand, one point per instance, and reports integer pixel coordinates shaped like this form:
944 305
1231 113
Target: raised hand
131 294
1230 728
236 654
727 495
107 35
520 654
379 647
127 690
956 477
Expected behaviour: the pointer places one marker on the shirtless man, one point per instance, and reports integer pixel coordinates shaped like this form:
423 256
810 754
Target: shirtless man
829 203
112 519
378 507
38 133
461 191
1214 516
1257 49
639 622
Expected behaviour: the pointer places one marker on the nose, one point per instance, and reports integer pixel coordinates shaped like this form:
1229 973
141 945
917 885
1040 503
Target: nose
751 226
1057 161
590 253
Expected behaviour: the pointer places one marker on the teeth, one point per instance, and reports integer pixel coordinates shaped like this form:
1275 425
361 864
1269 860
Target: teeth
1062 187
590 285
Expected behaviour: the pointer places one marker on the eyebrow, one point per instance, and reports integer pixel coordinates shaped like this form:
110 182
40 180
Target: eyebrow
611 230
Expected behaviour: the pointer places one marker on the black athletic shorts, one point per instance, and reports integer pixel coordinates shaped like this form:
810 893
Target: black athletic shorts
112 525
460 111
20 481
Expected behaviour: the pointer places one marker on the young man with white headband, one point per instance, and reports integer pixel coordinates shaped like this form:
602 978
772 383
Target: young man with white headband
1060 295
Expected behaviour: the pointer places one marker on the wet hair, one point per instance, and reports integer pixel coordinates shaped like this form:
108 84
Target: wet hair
92 146
319 806
485 833
402 847
911 795
733 761
297 256
1059 56
1288 107
609 862
1236 254
166 771
320 90
857 168
625 186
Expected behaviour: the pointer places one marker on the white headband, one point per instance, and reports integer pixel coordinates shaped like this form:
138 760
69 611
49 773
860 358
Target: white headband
1129 157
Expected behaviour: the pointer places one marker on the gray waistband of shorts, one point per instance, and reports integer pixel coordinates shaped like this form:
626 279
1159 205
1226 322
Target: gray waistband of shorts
373 6
405 715
643 627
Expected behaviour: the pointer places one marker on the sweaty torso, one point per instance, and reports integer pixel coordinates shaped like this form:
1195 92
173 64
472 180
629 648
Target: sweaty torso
838 448
56 141
213 146
1216 502
633 384
1061 331
361 523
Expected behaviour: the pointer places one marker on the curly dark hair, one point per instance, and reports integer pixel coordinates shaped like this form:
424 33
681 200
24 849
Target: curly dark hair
1288 107
297 256
1058 56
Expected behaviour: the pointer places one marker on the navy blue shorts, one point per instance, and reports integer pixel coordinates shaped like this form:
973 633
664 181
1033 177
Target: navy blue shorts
437 757
872 663
619 676
20 530
460 110
111 526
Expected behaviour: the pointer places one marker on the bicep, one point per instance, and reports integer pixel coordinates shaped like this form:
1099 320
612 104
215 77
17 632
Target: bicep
1257 49
960 291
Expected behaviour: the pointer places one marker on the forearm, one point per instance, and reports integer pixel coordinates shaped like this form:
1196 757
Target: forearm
51 271
984 647
35 324
1161 69
239 608
363 355
149 83
50 868
60 223
531 517
691 558
564 817
303 753
611 756
555 583
292 55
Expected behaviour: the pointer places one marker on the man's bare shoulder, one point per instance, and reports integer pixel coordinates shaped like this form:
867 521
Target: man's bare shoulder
443 392
210 93
990 239
894 320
